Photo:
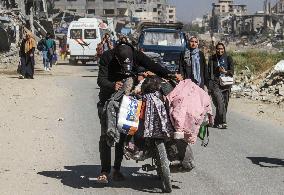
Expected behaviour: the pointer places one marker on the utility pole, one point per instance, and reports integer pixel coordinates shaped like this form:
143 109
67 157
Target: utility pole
44 4
32 20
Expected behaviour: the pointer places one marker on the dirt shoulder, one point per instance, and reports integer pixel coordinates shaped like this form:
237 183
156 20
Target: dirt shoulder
30 129
265 112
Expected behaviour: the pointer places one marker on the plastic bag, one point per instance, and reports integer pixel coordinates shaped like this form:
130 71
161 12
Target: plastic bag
226 80
128 117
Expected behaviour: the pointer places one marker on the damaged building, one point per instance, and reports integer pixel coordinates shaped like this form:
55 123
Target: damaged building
133 10
222 15
231 18
17 16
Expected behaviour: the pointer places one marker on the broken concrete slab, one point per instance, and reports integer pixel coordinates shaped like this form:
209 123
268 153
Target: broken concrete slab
279 67
4 40
281 91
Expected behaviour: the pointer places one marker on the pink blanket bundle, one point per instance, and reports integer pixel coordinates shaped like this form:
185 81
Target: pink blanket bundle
188 105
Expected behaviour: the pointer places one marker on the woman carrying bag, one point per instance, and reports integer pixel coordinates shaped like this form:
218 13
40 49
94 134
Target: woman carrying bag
221 71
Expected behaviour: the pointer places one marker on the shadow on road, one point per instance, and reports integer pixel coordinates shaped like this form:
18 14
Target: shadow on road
267 162
90 76
79 64
83 176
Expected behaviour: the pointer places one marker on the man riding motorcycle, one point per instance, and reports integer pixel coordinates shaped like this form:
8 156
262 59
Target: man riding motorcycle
115 65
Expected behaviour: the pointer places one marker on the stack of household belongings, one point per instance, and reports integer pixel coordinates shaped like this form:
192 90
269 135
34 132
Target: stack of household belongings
190 112
161 111
156 122
111 111
189 106
144 116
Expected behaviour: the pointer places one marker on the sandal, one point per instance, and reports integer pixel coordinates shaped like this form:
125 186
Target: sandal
102 178
222 126
117 176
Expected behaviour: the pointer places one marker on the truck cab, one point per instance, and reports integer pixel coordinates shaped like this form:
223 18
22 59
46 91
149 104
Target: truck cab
163 42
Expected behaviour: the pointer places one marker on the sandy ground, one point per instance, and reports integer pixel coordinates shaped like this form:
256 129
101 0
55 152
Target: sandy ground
28 125
258 110
32 120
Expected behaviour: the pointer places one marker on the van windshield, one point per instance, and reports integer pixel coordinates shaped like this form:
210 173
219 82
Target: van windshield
162 38
76 34
90 33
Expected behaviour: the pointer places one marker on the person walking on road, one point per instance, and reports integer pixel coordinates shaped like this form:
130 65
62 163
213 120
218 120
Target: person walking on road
53 52
47 51
63 47
107 43
110 79
26 53
220 64
193 64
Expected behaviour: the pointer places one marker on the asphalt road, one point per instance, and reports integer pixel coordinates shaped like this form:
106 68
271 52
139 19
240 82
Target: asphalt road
247 158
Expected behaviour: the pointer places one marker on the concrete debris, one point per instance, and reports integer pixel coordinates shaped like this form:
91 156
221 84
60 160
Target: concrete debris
279 67
10 58
269 89
281 91
260 107
236 88
61 119
12 25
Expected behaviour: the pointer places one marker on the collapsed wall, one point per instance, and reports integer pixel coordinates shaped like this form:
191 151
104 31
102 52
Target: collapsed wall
269 88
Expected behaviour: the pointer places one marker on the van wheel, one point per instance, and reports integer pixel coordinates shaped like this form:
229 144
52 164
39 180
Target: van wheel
84 62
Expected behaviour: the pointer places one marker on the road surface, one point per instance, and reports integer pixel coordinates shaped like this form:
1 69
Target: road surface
49 144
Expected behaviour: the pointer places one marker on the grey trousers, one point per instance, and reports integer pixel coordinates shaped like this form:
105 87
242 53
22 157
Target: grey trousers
105 149
220 97
180 150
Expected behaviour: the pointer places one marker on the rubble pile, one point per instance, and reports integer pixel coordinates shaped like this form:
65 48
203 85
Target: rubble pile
11 24
270 89
10 58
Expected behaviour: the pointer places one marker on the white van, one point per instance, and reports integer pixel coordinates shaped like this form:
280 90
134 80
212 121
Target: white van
82 39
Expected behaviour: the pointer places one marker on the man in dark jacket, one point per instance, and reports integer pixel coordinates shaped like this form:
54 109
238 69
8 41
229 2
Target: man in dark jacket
114 67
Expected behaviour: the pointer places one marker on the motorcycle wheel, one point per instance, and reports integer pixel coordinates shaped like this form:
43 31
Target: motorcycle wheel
163 167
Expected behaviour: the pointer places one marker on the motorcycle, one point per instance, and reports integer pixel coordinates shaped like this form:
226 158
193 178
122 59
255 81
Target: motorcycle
156 150
139 148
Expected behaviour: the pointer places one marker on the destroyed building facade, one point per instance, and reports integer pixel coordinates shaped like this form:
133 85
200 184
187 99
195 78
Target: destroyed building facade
222 13
138 10
230 18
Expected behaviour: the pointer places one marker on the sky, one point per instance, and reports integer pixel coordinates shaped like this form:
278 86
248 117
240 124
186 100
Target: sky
188 10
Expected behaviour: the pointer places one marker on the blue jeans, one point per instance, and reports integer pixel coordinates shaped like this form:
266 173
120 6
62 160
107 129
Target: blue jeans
46 59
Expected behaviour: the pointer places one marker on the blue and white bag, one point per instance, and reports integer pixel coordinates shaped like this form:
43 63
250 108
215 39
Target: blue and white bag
128 117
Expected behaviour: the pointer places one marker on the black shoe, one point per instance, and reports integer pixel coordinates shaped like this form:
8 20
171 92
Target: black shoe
179 168
215 126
